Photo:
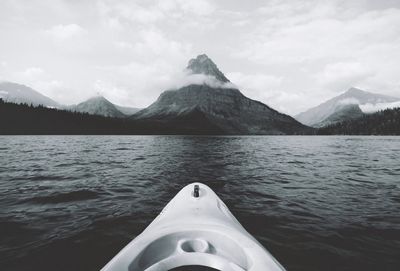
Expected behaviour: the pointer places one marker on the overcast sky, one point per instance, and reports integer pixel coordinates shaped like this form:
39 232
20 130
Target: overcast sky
290 55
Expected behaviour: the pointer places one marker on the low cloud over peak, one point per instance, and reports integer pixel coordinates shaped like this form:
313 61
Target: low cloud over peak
187 77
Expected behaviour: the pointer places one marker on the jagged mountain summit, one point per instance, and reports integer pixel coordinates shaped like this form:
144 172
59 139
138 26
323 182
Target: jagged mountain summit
354 96
217 108
98 106
204 65
17 93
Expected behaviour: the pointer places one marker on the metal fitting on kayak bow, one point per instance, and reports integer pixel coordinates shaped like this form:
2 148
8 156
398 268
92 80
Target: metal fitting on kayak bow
196 191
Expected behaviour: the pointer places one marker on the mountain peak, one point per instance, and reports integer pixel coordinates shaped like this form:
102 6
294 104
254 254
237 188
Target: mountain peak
202 64
98 98
354 90
18 93
98 105
202 58
353 96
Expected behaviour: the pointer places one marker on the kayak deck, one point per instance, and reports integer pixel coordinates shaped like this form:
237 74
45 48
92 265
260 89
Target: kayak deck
194 229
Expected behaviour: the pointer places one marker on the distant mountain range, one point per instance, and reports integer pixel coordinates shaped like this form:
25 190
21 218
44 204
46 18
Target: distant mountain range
216 105
17 119
344 113
102 107
207 104
211 104
16 93
343 107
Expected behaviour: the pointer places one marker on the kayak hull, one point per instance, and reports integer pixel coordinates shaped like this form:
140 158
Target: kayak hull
194 228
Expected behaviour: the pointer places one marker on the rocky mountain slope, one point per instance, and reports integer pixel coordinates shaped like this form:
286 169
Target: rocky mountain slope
17 93
353 96
343 113
219 107
98 106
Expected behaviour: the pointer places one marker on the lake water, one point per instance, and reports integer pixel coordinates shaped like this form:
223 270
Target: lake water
316 203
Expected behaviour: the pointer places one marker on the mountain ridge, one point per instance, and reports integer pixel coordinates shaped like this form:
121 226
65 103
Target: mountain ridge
344 113
223 107
19 93
202 64
353 95
98 105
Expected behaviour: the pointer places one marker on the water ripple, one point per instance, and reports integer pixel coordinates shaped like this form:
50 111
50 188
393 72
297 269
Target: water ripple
317 203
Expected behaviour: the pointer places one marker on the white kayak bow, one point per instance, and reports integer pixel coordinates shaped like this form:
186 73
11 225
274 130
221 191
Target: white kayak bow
194 229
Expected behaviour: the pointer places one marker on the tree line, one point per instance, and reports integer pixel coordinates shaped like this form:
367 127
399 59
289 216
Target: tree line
29 119
19 119
385 122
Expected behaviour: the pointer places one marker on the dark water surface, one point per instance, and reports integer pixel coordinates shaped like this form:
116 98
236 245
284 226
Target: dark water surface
316 203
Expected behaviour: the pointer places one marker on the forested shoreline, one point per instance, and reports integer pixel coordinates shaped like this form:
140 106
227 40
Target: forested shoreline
20 119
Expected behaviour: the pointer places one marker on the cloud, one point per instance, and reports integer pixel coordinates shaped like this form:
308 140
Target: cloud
321 48
151 12
64 32
255 82
135 84
3 66
340 75
290 55
186 78
32 73
123 45
54 89
154 41
347 101
119 88
128 11
270 89
116 94
199 7
371 108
